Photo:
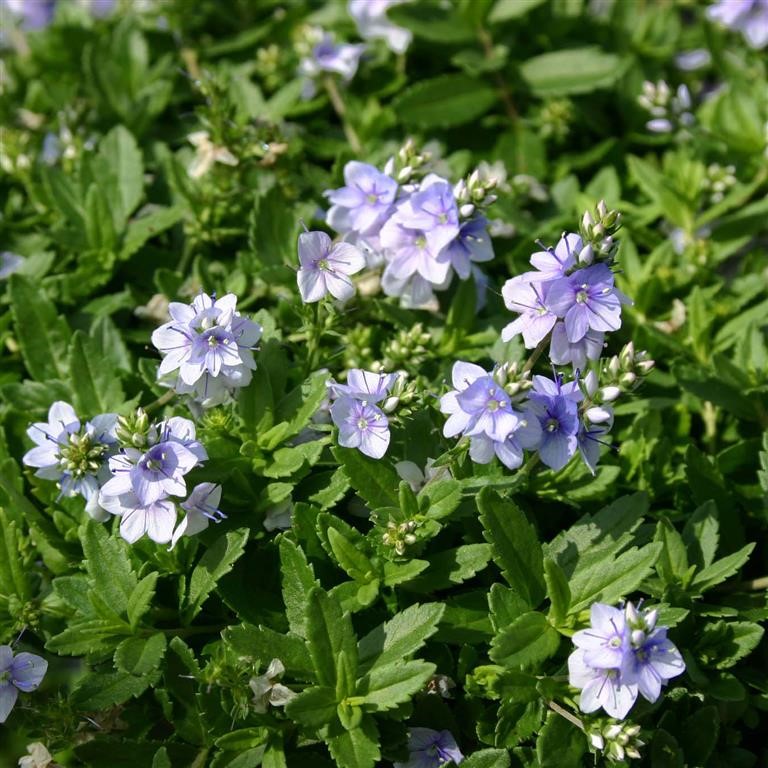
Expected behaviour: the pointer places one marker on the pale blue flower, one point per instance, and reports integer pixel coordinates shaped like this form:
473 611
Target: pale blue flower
202 507
527 297
555 405
10 263
472 245
23 672
156 518
750 17
364 203
606 688
366 386
362 426
431 749
562 351
326 268
372 23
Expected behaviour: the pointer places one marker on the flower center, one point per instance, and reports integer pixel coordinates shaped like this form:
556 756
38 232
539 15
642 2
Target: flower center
421 241
372 197
582 295
81 456
362 423
323 264
552 425
443 218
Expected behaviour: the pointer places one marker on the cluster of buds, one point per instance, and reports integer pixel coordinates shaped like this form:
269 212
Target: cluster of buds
401 536
617 741
598 229
408 163
358 348
14 149
402 393
82 455
719 179
555 118
668 111
513 378
409 347
625 372
268 65
133 431
476 191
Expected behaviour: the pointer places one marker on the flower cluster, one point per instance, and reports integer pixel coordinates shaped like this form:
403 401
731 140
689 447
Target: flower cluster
23 672
422 231
570 297
73 455
148 477
750 17
623 653
207 348
668 111
355 411
431 749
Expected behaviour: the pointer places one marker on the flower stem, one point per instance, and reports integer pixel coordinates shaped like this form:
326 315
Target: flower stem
571 718
506 96
341 110
161 401
314 334
536 354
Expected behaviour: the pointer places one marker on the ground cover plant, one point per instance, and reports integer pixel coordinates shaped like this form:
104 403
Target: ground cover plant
383 383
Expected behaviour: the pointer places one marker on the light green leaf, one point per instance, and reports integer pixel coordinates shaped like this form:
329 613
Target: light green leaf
452 566
119 168
96 388
376 482
97 691
149 224
298 578
140 599
399 637
357 747
720 570
557 590
702 534
313 707
330 636
487 758
138 655
265 644
109 568
504 10
387 687
571 71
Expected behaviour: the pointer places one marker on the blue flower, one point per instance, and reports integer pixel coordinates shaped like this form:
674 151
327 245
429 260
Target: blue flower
201 507
10 263
23 672
555 405
431 749
364 385
362 426
326 268
471 245
750 17
365 203
372 23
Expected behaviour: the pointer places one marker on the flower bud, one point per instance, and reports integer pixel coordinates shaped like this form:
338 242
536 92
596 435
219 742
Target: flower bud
405 173
599 414
645 367
627 356
614 367
650 619
590 383
389 405
467 210
609 394
638 637
586 255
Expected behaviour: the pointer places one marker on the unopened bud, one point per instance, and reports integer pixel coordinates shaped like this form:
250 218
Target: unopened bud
599 414
609 394
467 210
590 383
645 367
614 366
627 355
627 379
405 173
586 255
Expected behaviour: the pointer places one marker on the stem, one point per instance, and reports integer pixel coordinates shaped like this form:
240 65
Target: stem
161 401
571 718
314 334
536 354
506 95
211 629
341 111
754 585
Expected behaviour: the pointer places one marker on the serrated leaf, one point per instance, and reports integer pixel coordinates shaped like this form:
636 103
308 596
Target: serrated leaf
329 636
444 101
515 545
608 580
148 225
527 641
387 687
702 534
439 498
298 578
96 388
672 564
487 758
108 566
120 171
138 655
141 599
265 644
401 636
357 747
376 482
41 333
722 643
720 570
13 578
452 566
98 691
558 591
217 561
313 707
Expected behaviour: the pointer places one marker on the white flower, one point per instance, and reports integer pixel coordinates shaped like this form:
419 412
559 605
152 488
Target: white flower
372 22
267 690
207 154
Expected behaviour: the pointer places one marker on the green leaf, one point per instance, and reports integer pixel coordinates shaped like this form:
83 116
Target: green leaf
149 224
702 534
705 480
313 707
357 747
94 636
330 637
672 564
487 758
504 10
527 641
108 566
722 644
298 579
96 388
265 644
399 637
13 577
41 334
515 545
439 498
119 168
720 570
242 739
558 591
608 580
138 655
560 744
385 688
445 27
452 566
375 481
274 230
571 71
140 599
349 557
444 101
217 561
97 691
